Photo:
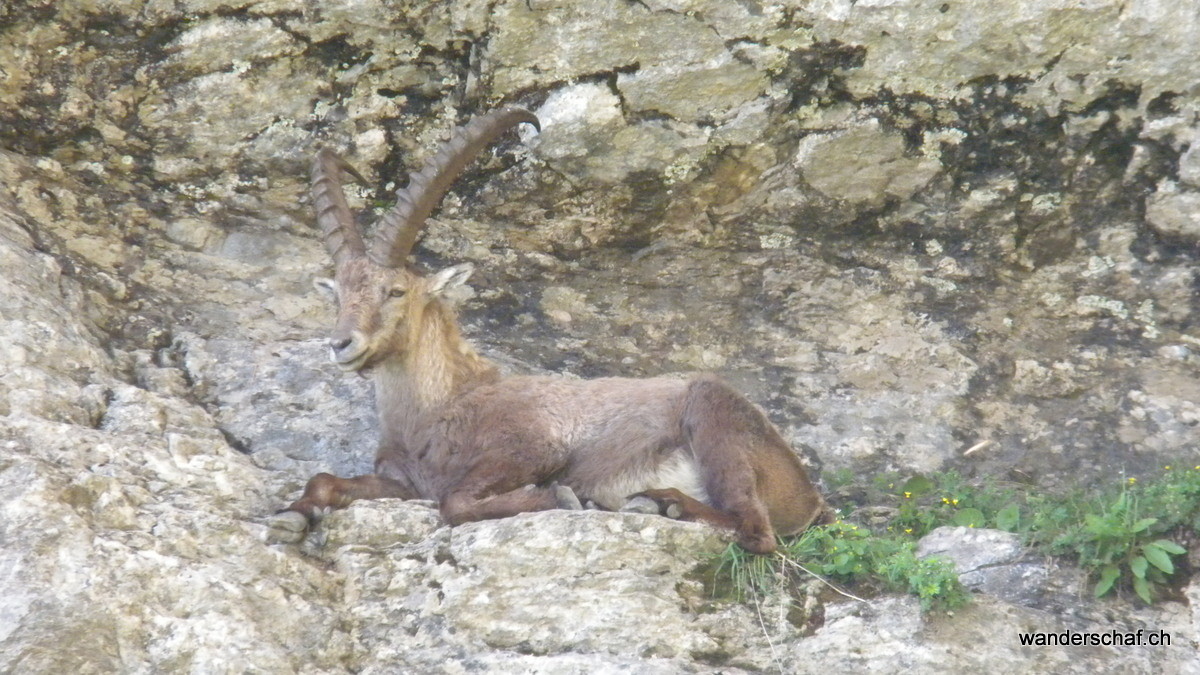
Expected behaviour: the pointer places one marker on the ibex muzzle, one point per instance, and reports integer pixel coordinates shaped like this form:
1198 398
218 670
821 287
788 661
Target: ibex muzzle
485 446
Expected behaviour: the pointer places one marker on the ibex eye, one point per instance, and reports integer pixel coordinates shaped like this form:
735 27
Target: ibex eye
396 293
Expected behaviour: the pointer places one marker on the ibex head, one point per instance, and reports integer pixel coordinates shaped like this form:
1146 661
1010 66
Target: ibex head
381 298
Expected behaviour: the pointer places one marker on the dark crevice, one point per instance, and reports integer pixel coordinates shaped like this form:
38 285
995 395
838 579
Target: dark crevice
235 442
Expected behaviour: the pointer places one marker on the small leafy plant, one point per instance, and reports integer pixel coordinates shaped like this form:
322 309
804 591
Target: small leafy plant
847 553
1119 544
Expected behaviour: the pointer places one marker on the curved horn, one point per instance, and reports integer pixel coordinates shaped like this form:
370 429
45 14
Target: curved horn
338 229
398 229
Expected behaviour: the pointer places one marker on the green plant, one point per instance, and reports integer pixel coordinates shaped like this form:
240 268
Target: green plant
1122 534
1174 499
1125 535
851 553
848 553
927 502
1115 544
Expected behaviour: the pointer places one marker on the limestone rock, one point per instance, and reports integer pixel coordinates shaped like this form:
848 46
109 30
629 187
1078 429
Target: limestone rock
989 561
864 164
1175 214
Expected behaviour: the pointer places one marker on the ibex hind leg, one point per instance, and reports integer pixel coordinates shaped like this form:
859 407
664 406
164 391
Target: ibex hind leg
733 443
674 504
324 493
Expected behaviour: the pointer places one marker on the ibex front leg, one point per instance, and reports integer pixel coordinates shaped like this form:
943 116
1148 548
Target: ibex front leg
506 487
324 493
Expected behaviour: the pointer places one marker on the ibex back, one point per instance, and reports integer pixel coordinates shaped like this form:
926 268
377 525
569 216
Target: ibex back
485 446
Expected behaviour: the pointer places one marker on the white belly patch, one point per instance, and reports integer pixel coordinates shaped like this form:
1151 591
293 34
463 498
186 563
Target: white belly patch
679 471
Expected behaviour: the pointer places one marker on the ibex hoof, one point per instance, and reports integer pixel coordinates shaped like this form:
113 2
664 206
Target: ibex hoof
566 498
757 542
286 527
658 502
640 504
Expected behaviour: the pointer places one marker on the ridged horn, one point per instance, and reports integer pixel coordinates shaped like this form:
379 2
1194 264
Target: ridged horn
338 229
397 231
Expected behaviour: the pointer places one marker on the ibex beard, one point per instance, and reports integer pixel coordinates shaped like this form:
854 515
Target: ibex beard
483 446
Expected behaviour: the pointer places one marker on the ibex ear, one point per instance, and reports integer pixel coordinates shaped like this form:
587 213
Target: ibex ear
328 287
450 278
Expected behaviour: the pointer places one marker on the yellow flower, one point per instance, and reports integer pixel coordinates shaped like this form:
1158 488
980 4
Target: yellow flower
954 502
908 530
1132 481
907 495
945 500
1167 467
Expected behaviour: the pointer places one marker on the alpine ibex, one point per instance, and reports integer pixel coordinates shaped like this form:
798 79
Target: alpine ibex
487 446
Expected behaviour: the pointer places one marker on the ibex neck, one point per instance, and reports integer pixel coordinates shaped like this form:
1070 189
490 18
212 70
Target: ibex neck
438 366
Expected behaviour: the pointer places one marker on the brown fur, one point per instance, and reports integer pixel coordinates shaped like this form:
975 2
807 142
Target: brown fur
485 446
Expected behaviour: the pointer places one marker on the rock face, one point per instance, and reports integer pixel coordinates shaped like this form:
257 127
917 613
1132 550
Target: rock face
903 228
